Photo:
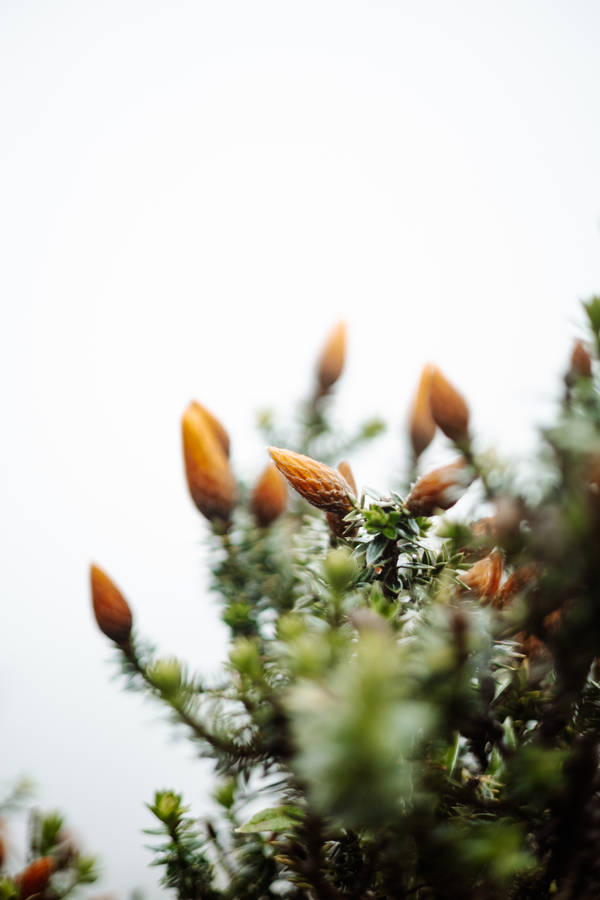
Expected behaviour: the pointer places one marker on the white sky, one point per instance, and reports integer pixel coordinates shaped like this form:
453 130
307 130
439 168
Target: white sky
192 194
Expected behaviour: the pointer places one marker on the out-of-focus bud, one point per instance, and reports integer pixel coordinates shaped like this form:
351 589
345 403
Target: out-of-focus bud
34 879
331 361
531 645
111 609
340 569
448 407
167 807
581 363
422 424
520 580
225 792
209 477
2 852
217 428
269 497
439 489
336 523
318 483
166 674
245 658
483 578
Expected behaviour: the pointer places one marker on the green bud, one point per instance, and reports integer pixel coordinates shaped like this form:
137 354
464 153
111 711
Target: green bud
225 793
166 675
167 807
290 627
8 889
341 570
244 657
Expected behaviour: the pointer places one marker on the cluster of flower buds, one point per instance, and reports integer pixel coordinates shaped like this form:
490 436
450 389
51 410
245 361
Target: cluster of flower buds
439 489
330 364
322 486
205 452
437 404
111 609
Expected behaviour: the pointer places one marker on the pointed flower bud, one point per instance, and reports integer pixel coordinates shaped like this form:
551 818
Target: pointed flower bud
336 523
34 879
422 425
110 607
209 477
483 578
331 361
269 497
581 363
448 407
346 471
439 489
318 483
519 581
213 423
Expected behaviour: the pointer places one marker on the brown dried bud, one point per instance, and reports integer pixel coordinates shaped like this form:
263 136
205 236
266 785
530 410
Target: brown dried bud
218 430
318 483
422 425
520 580
581 363
110 607
209 477
531 645
34 879
439 489
483 578
448 407
336 523
269 496
331 361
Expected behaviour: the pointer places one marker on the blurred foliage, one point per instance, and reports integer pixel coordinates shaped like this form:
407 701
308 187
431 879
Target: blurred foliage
54 866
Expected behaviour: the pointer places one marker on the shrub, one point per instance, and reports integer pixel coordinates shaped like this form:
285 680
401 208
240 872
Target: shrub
411 703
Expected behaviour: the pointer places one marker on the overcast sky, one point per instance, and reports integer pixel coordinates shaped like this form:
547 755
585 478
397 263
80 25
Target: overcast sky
192 194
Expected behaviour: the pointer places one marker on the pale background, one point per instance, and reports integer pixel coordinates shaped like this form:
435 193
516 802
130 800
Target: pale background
192 194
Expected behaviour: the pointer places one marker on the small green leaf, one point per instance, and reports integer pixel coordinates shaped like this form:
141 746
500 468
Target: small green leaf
376 549
277 818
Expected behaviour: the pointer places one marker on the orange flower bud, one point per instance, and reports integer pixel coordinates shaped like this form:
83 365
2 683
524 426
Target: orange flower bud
110 607
448 407
269 496
346 471
422 425
581 363
34 879
439 489
209 477
336 523
318 483
521 579
218 430
331 361
483 578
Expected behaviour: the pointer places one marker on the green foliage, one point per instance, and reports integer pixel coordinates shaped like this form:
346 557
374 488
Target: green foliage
412 709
